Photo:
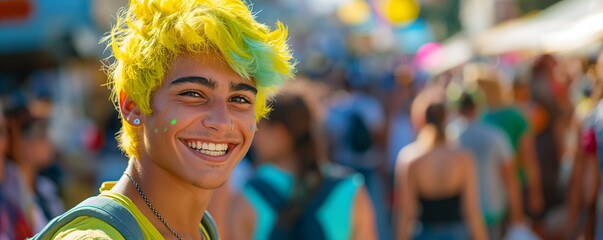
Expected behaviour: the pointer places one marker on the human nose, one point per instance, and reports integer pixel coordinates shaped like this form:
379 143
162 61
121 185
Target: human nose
218 117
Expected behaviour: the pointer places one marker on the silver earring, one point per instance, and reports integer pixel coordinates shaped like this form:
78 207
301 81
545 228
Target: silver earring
136 121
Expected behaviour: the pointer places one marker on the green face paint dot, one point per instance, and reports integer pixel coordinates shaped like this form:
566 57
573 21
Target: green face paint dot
165 130
156 130
173 121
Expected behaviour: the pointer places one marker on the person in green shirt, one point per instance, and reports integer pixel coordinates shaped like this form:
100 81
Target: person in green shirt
190 80
502 114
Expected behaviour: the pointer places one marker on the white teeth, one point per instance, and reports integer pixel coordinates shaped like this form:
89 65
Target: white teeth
212 153
212 149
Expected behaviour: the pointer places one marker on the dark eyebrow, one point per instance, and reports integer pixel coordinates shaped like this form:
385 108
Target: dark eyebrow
243 87
195 79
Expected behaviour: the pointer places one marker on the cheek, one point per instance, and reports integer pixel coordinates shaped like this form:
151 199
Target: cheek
165 120
247 123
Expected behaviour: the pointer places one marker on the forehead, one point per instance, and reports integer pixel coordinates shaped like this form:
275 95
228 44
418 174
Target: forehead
207 65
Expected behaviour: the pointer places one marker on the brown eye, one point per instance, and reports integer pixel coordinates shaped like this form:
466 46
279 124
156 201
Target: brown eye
239 99
190 94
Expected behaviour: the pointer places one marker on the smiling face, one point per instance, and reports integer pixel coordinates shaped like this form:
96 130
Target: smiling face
202 122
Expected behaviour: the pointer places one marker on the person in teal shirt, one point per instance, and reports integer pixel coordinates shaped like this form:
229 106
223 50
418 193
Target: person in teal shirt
318 200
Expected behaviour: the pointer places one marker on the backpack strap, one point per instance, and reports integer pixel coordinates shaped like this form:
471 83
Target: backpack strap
328 183
275 199
210 226
307 226
103 208
310 227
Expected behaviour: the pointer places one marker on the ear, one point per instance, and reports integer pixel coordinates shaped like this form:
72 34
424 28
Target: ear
129 110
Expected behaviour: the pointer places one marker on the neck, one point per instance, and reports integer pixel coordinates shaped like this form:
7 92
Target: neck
180 203
429 137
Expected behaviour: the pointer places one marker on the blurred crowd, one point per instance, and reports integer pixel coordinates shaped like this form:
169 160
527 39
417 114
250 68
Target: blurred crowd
364 143
471 152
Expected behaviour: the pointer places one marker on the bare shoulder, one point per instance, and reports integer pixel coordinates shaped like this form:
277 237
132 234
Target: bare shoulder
408 155
362 197
362 204
363 218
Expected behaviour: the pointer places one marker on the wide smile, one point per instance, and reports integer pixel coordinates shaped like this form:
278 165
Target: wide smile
213 151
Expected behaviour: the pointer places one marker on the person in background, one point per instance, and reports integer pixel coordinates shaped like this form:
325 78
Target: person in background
585 179
355 124
513 123
548 91
436 182
316 201
30 150
13 224
399 128
498 187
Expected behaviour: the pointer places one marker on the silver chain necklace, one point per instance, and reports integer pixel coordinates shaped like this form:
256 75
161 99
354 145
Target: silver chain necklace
146 200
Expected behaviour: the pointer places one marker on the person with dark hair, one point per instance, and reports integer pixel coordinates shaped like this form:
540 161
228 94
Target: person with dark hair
498 187
549 93
13 223
502 114
355 126
295 194
30 151
436 182
584 185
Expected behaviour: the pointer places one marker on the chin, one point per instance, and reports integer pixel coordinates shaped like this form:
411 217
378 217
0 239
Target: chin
209 179
209 185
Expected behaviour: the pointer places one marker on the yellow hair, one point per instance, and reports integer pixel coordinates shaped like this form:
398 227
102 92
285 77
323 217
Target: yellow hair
151 33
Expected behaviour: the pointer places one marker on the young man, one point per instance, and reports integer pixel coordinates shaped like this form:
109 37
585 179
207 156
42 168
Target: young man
498 187
190 80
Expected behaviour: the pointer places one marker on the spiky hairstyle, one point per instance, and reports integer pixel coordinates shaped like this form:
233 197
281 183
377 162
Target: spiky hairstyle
149 34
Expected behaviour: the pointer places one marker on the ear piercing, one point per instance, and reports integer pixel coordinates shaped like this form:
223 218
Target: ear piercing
136 121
